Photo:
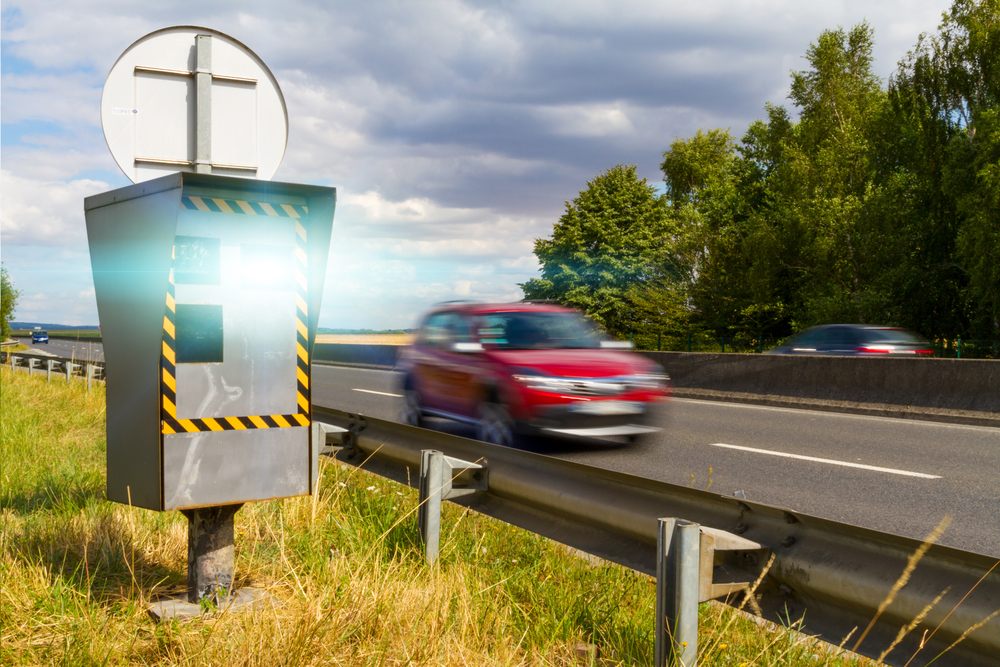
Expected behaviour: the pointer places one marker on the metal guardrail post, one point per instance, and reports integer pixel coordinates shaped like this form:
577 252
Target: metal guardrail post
91 372
437 483
685 569
31 365
68 365
13 362
429 515
678 563
48 374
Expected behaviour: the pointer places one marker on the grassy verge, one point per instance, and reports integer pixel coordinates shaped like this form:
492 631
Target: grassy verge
344 566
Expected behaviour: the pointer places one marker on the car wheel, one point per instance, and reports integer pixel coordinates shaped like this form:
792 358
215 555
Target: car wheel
639 439
495 425
413 411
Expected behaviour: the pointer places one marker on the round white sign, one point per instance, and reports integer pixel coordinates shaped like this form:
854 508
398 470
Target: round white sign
188 98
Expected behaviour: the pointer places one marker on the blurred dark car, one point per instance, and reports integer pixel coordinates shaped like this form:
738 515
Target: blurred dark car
855 340
509 369
40 337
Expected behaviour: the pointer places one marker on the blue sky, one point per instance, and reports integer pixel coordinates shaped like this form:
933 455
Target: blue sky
454 131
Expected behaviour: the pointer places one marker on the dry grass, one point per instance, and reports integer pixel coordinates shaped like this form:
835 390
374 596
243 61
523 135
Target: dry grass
344 569
366 339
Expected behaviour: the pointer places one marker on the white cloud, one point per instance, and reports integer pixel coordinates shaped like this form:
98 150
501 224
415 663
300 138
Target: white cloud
48 213
454 131
589 120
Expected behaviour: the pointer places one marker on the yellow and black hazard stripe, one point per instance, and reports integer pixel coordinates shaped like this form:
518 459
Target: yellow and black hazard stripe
170 422
243 207
174 425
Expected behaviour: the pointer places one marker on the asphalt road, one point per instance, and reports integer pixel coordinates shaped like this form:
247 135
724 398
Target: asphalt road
82 351
891 475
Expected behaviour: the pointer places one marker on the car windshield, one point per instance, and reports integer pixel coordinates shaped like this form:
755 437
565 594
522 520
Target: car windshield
893 336
538 330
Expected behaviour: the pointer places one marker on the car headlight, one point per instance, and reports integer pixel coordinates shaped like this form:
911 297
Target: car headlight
571 386
649 381
552 385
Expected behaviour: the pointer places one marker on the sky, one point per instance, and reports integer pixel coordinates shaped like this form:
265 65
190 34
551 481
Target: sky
455 132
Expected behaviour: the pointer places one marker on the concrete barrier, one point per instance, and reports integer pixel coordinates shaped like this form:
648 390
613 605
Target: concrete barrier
381 356
944 384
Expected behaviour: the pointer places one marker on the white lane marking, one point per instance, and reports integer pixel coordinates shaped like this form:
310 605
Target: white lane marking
380 393
815 459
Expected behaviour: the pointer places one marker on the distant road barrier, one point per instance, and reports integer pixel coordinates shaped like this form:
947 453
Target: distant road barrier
834 575
61 367
943 389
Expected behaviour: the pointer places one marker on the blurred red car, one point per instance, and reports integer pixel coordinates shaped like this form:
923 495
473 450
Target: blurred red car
516 368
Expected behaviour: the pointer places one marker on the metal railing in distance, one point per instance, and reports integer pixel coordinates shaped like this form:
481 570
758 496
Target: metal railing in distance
66 368
831 575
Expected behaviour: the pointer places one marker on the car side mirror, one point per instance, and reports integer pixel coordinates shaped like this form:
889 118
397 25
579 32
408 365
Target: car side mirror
467 348
616 345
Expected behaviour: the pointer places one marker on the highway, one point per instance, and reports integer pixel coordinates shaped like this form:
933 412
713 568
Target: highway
80 350
891 475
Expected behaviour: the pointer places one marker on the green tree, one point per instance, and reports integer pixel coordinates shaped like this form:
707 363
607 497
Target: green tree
940 153
614 240
829 174
701 174
8 300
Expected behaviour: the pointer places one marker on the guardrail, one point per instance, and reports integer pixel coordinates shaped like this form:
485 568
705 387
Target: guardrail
838 578
60 366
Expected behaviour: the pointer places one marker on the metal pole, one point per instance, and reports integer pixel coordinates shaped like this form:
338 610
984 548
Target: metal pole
69 370
678 556
429 516
210 554
203 105
49 364
90 375
31 365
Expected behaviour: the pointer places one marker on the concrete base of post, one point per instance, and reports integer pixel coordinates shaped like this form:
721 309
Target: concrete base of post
211 554
180 609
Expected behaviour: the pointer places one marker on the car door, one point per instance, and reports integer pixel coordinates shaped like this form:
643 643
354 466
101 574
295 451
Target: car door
428 351
457 371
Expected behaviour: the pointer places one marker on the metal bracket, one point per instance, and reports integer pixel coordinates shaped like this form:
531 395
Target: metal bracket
440 481
714 541
321 445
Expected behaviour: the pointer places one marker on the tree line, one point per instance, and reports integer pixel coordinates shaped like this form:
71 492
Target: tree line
876 204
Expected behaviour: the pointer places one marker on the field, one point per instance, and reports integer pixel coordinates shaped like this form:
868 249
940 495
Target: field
365 338
344 569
